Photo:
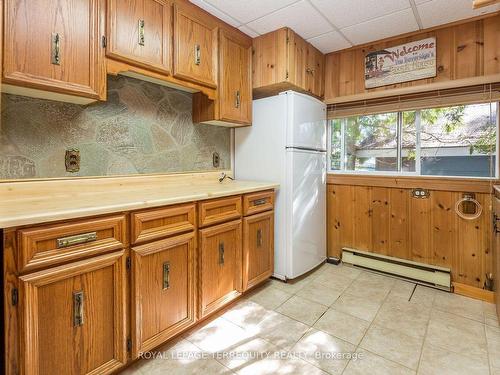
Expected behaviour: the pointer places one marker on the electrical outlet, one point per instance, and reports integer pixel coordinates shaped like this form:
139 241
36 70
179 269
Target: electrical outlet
420 193
72 160
216 159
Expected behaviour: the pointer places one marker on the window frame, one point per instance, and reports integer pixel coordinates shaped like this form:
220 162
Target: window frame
418 163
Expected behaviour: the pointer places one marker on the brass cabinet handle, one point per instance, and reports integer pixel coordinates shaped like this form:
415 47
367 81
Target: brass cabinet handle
238 99
78 299
197 54
259 237
495 225
76 240
56 49
259 202
221 253
141 32
166 275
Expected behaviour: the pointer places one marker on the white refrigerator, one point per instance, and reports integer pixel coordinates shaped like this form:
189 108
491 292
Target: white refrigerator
287 144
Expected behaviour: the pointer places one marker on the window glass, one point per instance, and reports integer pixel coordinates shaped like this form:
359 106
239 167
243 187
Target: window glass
336 145
450 141
458 141
371 143
409 142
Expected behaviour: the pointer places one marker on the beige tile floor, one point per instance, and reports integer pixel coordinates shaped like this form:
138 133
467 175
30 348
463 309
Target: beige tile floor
339 320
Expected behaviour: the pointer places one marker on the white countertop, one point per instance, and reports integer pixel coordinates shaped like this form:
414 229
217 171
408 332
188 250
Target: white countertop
33 202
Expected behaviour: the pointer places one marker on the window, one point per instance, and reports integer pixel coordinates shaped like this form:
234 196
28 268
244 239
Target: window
450 141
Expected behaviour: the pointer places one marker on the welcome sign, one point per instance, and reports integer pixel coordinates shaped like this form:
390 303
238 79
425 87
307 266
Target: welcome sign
407 62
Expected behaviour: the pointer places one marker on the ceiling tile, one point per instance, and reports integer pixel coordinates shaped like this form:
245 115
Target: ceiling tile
383 27
216 12
301 17
249 10
248 31
329 42
343 13
438 12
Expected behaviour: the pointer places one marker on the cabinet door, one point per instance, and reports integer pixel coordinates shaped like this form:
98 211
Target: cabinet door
298 60
195 46
220 265
258 248
140 31
73 318
162 291
55 46
496 251
235 79
315 69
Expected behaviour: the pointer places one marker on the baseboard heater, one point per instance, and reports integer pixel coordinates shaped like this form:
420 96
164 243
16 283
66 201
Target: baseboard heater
421 273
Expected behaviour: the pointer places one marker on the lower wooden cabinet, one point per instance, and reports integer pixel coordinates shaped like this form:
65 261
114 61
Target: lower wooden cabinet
101 306
163 292
496 250
72 318
219 262
258 248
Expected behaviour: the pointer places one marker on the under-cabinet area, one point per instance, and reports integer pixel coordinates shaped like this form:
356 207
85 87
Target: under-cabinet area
118 285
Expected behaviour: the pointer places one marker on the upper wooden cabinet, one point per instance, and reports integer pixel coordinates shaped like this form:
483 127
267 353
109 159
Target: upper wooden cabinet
235 93
195 45
282 60
140 32
54 46
72 318
315 72
233 106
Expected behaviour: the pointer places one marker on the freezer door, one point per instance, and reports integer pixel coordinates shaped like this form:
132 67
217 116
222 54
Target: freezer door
305 211
306 125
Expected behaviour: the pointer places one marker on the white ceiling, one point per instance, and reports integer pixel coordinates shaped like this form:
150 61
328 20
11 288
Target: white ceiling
331 25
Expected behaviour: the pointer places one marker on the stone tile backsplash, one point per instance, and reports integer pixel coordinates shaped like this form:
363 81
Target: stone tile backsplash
141 128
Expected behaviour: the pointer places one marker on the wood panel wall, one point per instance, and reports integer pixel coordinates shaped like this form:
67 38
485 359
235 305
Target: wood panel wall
387 220
464 51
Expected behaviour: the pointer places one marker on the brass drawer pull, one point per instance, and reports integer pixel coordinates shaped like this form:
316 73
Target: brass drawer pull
260 202
238 99
78 299
56 49
141 32
166 275
221 253
197 54
259 237
76 240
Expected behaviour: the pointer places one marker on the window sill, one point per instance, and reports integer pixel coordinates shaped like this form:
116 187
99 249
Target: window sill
463 184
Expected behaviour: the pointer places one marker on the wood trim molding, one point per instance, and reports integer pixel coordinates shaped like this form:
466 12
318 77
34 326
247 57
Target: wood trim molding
473 292
410 182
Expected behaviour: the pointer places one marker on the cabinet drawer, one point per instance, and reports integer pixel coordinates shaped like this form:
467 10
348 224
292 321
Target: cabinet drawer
216 211
258 202
157 223
58 243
